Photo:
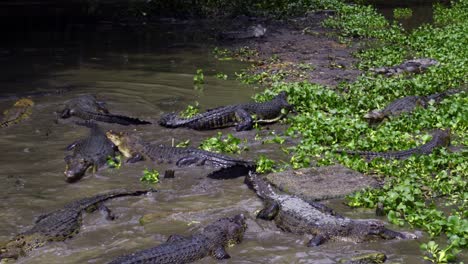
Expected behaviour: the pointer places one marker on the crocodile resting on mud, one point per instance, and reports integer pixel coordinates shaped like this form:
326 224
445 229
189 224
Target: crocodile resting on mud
409 66
211 241
135 149
243 116
59 225
440 138
87 107
92 151
293 214
20 111
408 104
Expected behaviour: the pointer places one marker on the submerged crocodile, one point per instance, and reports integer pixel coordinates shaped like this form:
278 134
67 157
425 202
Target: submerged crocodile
440 138
293 214
135 149
92 151
87 107
243 116
256 31
409 66
408 104
58 225
211 241
20 111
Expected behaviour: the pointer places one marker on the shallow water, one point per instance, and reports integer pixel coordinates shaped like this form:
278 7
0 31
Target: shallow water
143 82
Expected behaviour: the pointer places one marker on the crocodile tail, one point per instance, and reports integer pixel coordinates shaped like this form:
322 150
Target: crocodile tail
87 202
262 188
118 119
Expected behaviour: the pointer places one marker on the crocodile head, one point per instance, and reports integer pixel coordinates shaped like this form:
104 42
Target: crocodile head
24 102
375 115
282 99
226 231
76 167
20 245
124 142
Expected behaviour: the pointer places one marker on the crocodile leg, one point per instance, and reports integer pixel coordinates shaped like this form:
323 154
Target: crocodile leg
135 158
270 211
317 241
72 145
220 253
106 212
66 113
245 120
102 107
175 238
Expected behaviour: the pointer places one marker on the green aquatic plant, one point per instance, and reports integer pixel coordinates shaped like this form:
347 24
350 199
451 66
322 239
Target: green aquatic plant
114 162
183 144
264 164
437 255
150 176
221 76
402 13
199 77
191 110
229 144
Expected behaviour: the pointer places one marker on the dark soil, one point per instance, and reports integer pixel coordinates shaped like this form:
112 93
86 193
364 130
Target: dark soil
300 47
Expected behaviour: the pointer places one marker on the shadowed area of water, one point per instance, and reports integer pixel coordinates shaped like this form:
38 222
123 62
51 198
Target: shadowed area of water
138 79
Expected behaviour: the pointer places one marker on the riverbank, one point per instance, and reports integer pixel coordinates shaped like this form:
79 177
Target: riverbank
425 192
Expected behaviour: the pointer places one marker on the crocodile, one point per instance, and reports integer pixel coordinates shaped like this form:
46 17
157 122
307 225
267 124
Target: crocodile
20 111
295 215
408 104
60 224
92 151
440 138
370 258
87 107
243 116
409 66
135 149
256 31
210 241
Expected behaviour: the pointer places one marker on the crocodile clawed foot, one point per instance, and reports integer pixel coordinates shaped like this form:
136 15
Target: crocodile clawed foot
316 241
106 212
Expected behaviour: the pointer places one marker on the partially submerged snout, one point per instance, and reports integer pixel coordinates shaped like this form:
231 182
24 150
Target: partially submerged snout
236 228
75 168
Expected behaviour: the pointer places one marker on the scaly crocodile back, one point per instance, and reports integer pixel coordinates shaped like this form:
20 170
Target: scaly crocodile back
109 118
266 112
179 249
60 224
96 147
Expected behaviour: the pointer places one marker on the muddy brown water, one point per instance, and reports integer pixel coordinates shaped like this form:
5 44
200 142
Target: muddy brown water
143 83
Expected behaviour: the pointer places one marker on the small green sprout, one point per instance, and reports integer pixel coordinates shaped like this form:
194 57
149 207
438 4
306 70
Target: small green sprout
199 78
150 176
114 162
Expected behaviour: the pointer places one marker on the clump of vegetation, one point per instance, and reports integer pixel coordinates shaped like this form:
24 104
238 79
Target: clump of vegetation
150 176
199 78
114 162
402 13
221 76
429 191
191 110
229 144
182 144
264 164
